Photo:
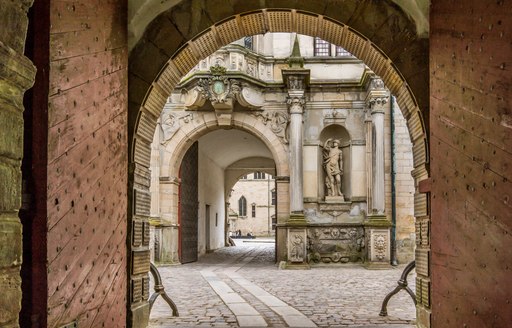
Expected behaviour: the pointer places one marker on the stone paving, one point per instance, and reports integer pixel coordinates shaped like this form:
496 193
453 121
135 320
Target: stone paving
241 286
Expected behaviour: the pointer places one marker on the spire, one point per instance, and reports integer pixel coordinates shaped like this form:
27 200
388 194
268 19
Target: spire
296 60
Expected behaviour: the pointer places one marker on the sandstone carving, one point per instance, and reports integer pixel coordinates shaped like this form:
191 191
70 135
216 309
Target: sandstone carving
218 88
277 121
335 244
333 166
297 248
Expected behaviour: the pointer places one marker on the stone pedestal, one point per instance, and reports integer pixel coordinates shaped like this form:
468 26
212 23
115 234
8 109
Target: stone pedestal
334 199
378 237
296 242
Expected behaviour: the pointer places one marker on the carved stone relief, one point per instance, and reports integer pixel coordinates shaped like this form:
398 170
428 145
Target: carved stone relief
379 245
337 116
277 121
251 67
251 97
336 244
171 123
218 88
296 245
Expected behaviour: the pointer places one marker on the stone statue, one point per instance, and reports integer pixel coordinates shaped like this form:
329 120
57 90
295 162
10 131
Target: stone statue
333 165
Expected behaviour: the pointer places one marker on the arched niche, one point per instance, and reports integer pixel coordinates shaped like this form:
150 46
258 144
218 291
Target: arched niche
336 132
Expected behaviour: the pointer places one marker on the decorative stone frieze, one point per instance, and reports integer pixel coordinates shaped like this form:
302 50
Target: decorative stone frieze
337 244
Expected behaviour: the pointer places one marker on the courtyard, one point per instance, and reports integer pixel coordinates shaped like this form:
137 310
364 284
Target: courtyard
242 286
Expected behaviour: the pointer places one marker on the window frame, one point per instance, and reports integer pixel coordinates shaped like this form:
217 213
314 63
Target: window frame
242 206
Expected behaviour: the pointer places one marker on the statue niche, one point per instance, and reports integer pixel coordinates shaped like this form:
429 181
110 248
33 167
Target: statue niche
332 139
333 167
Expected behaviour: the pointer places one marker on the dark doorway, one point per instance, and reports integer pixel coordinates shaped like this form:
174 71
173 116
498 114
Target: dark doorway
188 205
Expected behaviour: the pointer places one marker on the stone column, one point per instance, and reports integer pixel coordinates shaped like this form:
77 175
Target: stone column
378 199
378 101
296 104
377 226
369 159
17 74
296 79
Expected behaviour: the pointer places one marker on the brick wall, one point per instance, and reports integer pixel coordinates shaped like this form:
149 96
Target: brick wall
471 142
16 76
87 164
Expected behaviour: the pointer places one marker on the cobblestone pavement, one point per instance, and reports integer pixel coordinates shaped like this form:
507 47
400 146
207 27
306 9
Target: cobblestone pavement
341 296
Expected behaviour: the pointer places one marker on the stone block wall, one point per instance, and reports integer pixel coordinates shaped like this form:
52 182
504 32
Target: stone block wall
471 142
16 76
404 184
404 190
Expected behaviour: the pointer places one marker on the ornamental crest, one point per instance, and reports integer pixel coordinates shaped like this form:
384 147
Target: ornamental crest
218 88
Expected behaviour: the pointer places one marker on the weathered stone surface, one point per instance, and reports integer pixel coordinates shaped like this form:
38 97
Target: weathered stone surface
14 16
10 187
10 302
190 18
11 138
10 234
165 35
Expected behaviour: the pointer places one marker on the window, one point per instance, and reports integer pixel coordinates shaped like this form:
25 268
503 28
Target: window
248 42
322 48
244 177
259 175
242 206
253 210
340 52
273 196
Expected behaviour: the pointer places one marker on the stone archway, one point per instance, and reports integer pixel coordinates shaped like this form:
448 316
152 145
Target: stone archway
202 124
149 88
207 122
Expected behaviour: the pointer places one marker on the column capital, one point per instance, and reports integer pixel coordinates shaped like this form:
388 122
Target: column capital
377 97
295 104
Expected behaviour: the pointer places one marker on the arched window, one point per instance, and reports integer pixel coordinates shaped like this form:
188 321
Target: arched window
242 206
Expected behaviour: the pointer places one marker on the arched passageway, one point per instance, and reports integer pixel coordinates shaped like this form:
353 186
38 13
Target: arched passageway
146 105
207 172
469 129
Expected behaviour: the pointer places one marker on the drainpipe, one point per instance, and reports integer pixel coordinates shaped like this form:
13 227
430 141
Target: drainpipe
269 196
394 261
